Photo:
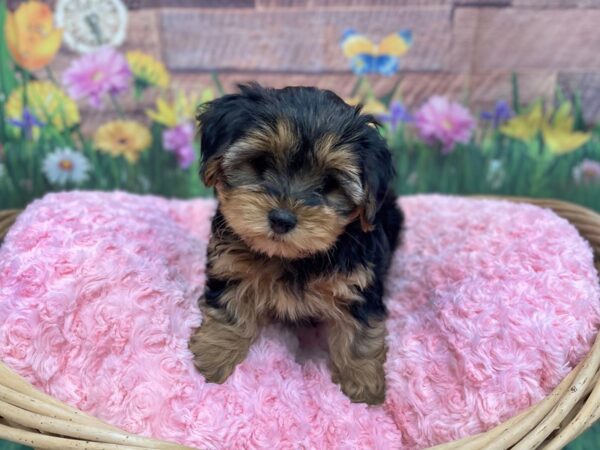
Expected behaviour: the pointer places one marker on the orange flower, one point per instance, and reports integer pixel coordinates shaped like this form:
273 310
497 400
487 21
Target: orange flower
30 35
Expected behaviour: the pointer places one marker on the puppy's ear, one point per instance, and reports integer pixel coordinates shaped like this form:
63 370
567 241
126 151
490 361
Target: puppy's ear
219 124
378 175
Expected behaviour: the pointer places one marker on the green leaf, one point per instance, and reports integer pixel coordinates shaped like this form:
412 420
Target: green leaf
387 98
516 101
7 75
578 113
218 85
356 87
559 95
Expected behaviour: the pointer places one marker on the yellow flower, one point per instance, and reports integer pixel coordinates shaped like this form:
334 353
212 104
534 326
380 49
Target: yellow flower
556 128
30 35
125 138
370 105
180 110
559 135
207 96
147 70
46 102
561 142
164 113
526 126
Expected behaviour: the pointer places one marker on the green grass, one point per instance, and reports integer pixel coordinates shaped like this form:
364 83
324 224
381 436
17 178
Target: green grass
493 164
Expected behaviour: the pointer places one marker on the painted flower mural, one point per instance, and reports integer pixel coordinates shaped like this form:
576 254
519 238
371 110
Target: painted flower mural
366 57
445 122
66 166
501 113
397 115
125 138
46 104
31 37
555 126
180 141
97 75
147 71
91 25
587 172
146 142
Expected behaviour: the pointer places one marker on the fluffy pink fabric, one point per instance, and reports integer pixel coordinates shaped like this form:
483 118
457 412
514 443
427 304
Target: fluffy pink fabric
490 304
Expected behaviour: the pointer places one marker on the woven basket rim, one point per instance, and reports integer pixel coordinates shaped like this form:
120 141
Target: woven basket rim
30 417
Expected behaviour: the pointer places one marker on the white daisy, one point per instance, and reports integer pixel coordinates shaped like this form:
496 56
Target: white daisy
65 165
495 174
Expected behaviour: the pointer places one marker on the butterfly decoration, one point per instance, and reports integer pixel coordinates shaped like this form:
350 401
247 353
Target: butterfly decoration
366 57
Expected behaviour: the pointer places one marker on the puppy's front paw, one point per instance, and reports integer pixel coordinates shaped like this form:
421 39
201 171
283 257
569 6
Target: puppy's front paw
215 369
216 358
364 385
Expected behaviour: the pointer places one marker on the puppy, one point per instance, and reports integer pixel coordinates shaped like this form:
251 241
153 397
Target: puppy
304 231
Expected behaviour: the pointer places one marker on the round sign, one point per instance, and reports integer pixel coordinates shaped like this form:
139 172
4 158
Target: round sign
90 24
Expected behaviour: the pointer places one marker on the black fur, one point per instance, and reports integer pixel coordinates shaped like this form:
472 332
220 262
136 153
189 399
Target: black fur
316 113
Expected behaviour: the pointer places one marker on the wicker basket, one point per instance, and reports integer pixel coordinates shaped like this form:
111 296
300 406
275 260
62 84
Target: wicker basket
30 417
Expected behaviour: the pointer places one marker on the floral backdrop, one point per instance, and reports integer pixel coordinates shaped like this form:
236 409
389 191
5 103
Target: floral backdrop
543 147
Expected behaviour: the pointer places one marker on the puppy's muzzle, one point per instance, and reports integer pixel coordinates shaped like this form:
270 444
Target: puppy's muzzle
282 221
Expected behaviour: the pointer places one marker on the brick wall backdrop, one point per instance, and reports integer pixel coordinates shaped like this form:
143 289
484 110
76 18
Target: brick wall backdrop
463 48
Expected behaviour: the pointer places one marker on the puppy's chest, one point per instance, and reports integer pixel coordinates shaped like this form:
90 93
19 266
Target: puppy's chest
275 288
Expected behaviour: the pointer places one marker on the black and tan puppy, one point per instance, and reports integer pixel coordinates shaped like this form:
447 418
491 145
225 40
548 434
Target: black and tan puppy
306 224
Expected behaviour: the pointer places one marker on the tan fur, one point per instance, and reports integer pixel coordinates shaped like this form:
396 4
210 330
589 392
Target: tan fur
211 172
219 346
340 158
357 354
247 213
368 211
254 260
262 289
279 140
260 294
333 156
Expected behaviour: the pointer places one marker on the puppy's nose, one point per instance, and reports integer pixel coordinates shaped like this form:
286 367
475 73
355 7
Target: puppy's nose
282 220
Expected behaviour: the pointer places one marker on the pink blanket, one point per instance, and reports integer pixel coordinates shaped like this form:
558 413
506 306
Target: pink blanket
490 303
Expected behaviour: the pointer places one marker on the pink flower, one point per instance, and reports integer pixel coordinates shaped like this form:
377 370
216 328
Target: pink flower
440 120
94 75
587 172
179 140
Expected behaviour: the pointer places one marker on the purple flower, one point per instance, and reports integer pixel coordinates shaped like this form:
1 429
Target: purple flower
97 74
446 122
179 140
502 113
185 156
587 172
27 122
398 114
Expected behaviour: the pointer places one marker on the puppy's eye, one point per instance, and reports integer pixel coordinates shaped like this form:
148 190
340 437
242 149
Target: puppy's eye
330 184
260 163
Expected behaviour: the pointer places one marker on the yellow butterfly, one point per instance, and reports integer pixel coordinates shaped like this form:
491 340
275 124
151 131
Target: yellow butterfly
366 57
